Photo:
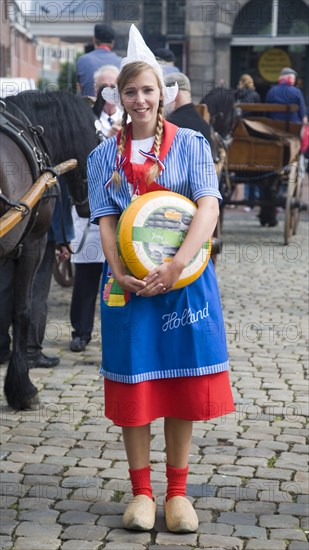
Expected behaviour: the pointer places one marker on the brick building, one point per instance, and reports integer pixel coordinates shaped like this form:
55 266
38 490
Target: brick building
17 43
62 29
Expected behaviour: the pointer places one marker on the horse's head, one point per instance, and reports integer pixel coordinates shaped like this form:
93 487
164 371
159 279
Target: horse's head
220 102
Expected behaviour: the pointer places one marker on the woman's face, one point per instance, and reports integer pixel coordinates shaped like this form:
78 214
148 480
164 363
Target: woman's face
140 98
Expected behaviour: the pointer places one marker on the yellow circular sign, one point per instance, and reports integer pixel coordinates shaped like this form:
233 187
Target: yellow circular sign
271 62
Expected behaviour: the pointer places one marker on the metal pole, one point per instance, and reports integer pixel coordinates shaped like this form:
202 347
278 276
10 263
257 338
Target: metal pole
274 18
164 18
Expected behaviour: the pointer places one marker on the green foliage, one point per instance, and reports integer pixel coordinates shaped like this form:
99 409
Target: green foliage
45 85
271 462
118 495
67 77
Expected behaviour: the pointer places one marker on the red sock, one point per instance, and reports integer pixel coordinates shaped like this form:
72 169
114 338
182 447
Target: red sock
176 481
140 480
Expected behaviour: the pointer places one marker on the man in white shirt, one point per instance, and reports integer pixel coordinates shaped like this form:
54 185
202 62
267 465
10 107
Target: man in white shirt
108 114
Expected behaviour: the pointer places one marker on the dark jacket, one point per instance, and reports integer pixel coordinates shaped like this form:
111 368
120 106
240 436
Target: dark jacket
248 95
287 94
188 117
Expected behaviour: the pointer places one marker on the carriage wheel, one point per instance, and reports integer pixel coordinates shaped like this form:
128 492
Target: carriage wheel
63 272
298 192
292 204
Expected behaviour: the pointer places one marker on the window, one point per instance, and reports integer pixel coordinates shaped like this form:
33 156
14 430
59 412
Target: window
254 18
272 18
39 52
176 11
152 17
293 18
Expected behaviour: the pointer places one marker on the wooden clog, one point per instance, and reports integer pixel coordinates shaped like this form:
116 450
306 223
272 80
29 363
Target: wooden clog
180 515
140 514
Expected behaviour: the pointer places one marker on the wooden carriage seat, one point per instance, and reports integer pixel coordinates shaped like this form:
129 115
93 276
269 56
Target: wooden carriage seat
261 143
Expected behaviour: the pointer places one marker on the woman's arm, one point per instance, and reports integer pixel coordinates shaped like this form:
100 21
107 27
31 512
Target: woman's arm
108 226
202 227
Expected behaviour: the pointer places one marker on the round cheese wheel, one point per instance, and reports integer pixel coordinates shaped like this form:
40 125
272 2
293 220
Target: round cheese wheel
151 230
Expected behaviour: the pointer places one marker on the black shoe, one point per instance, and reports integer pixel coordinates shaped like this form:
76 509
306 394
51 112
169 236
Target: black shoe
78 344
42 362
5 356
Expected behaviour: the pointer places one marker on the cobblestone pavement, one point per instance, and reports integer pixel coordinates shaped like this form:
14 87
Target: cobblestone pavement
65 480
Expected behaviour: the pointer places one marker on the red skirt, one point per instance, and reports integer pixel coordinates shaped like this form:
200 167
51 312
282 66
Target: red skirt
188 398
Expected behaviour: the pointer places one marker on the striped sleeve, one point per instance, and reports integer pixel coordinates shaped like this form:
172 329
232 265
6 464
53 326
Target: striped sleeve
201 170
99 170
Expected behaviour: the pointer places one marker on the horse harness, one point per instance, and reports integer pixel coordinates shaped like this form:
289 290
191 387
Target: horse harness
29 139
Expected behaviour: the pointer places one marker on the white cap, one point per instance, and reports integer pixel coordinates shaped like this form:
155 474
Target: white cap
139 51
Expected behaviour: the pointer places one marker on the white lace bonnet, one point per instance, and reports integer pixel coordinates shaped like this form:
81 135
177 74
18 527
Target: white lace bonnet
139 51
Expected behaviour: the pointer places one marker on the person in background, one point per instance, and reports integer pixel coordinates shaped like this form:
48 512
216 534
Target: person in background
166 58
108 114
246 93
88 257
286 93
87 64
181 111
158 360
42 282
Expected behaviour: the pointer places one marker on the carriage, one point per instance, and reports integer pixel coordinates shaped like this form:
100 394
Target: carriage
265 155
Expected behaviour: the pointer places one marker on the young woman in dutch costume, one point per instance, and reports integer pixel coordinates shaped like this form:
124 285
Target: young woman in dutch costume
164 351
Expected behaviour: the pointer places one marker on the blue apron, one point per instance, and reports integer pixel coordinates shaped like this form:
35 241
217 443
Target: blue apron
180 333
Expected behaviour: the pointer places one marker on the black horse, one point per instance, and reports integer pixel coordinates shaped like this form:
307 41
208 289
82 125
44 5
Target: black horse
69 132
221 106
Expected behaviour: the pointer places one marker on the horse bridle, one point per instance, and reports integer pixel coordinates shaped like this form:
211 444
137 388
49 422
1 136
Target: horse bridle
29 139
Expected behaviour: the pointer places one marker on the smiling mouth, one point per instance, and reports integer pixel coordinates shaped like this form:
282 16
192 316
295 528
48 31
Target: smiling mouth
141 110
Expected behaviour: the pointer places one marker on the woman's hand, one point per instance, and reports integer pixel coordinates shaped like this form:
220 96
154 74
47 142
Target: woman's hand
128 282
161 279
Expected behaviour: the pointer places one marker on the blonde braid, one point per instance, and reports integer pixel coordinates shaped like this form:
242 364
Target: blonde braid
116 177
154 171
